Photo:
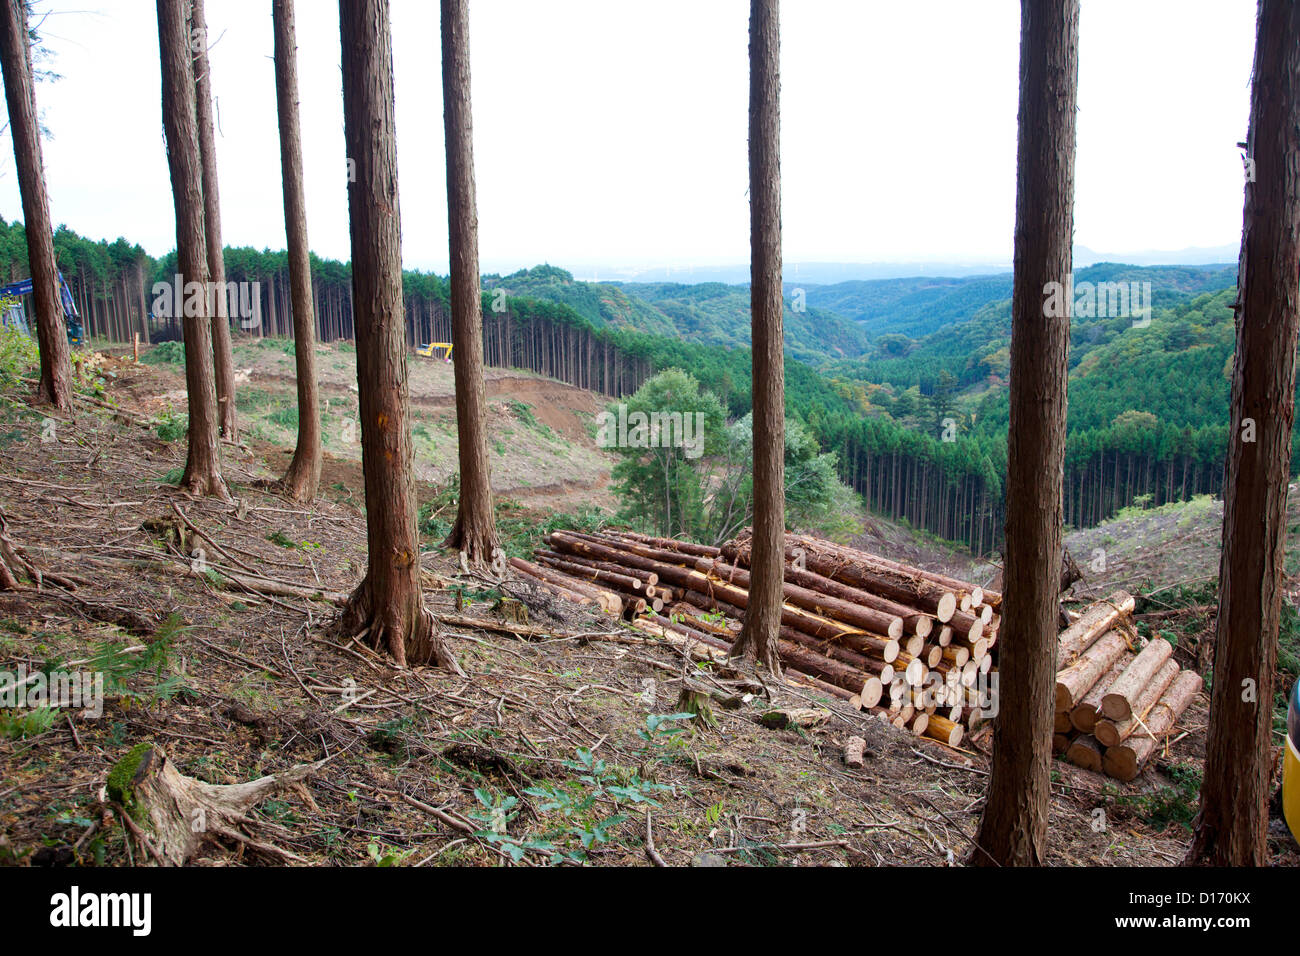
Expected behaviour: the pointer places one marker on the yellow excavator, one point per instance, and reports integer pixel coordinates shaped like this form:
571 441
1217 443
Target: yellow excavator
426 351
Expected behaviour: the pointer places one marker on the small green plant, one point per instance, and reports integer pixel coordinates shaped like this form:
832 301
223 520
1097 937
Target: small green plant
29 723
1174 805
172 427
165 353
383 855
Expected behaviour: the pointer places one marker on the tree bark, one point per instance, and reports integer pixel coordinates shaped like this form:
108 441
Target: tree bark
474 531
1013 827
221 348
55 387
203 462
757 640
388 602
302 479
1231 826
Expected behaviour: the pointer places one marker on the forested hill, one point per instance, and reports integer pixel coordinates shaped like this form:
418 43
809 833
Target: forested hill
922 305
708 313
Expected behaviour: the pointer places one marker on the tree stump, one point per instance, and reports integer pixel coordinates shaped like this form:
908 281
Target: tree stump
170 814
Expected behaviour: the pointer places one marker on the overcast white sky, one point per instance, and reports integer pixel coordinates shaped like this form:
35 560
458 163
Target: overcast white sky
613 132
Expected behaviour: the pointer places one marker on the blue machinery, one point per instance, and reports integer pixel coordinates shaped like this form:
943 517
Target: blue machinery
17 317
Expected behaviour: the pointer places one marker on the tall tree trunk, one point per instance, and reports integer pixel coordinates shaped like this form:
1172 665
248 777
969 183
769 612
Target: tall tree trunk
302 479
1231 827
203 463
475 531
1013 828
758 637
388 602
221 347
55 386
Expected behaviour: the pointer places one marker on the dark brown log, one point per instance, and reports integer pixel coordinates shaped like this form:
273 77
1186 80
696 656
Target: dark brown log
850 569
1085 752
618 581
670 544
607 599
819 603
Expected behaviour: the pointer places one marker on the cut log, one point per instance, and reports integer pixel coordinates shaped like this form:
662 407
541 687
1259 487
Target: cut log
1112 733
1093 623
1060 743
1125 761
1085 752
1085 713
944 730
1077 679
1117 703
866 618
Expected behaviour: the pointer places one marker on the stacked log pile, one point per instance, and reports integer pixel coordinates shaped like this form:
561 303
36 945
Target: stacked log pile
911 646
1116 703
914 647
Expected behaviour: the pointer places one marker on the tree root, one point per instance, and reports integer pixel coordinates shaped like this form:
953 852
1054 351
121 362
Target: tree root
410 639
15 566
170 815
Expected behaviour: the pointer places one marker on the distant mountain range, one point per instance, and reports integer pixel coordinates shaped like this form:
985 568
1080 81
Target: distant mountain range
825 322
829 273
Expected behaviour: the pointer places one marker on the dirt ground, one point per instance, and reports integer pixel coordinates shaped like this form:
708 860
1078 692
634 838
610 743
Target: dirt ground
552 749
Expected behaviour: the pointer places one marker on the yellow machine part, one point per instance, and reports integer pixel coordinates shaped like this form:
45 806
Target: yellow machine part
1291 766
426 351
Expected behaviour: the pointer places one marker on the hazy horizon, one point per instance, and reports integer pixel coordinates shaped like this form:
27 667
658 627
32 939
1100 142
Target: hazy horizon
612 138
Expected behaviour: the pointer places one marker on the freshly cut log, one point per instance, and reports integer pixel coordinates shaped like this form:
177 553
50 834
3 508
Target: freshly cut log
1062 724
583 571
716 593
944 730
1077 679
1125 761
854 569
669 544
1112 733
1093 623
646 578
956 654
1060 743
608 600
919 723
945 635
872 690
1085 752
1084 715
835 608
558 590
1117 703
905 571
913 645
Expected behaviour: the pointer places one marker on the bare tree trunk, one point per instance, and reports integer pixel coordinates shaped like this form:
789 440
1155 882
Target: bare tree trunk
203 463
388 602
758 637
1013 828
302 479
1232 825
475 531
221 347
55 386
